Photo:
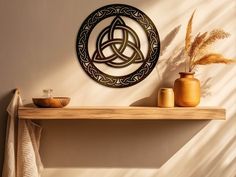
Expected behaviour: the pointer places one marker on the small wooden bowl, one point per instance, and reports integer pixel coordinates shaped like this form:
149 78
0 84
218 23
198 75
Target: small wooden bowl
54 102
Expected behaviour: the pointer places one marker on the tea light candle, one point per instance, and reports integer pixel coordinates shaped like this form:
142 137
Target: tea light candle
166 98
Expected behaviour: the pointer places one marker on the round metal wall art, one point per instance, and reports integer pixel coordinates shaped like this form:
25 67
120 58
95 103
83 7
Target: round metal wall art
118 46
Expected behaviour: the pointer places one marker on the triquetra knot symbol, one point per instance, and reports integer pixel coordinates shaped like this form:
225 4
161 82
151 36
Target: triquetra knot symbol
118 45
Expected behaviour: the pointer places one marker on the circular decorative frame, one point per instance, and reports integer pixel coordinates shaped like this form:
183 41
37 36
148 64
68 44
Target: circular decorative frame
153 45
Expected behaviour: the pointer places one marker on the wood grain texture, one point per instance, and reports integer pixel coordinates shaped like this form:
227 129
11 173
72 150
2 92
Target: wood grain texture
177 113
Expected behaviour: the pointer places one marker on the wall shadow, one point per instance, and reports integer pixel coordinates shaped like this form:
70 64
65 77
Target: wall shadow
219 161
114 143
167 64
167 70
122 143
88 143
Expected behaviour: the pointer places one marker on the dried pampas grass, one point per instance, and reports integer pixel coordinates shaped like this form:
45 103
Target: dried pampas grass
188 34
213 58
213 37
199 39
197 50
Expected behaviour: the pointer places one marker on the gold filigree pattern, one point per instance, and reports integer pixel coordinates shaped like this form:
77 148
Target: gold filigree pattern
118 45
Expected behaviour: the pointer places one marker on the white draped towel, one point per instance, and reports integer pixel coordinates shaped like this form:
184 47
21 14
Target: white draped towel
21 158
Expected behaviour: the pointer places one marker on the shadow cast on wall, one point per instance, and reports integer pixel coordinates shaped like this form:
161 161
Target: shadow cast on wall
141 144
219 161
119 143
167 64
114 143
167 68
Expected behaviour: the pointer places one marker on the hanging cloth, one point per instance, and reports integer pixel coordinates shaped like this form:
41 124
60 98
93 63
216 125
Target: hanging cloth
21 158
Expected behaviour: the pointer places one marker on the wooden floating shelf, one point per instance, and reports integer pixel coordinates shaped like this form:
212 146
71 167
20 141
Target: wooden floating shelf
132 113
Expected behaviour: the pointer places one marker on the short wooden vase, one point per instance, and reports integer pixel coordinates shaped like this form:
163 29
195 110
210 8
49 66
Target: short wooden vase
187 90
166 98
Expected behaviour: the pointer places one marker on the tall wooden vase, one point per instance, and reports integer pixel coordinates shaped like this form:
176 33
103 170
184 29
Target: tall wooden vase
187 90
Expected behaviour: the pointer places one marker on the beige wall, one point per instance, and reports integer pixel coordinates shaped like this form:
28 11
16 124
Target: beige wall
37 51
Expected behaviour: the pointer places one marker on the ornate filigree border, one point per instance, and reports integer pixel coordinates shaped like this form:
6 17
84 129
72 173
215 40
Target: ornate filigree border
153 48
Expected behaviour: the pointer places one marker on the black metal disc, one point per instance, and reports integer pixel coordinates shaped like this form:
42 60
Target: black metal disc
118 11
